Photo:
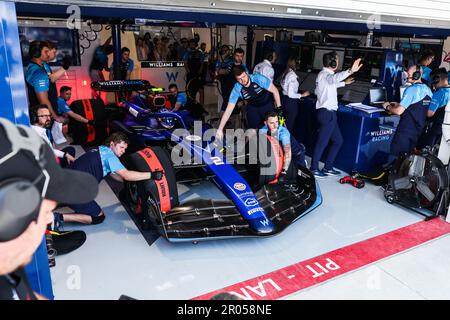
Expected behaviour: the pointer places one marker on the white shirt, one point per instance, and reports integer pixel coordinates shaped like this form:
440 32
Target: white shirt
327 83
42 132
290 85
265 68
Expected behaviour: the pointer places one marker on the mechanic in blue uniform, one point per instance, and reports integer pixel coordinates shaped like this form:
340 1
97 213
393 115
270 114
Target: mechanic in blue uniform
37 79
193 59
126 66
227 79
101 162
436 111
290 97
412 109
291 147
327 83
64 110
256 90
426 58
178 99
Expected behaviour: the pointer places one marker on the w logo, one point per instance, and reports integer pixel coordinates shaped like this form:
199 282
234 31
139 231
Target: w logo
172 76
265 222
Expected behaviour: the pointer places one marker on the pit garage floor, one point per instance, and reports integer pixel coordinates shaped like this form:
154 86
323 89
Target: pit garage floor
117 260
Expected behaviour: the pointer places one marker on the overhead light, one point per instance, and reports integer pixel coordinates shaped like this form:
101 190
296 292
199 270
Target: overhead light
273 9
213 4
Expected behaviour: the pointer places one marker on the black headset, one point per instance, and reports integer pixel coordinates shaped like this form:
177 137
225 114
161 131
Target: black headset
417 75
36 48
329 59
436 75
20 199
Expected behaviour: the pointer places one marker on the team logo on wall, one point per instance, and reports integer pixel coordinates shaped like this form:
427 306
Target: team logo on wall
239 186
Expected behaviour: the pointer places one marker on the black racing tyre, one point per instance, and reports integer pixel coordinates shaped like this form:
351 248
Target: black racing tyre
86 134
164 191
264 161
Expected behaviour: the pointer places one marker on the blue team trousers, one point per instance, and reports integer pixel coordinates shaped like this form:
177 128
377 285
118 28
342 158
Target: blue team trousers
329 134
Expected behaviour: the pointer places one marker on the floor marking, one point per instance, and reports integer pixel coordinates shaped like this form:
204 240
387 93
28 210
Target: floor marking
273 285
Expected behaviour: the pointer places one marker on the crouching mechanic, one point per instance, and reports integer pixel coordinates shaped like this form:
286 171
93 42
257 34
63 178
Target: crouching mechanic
101 162
293 150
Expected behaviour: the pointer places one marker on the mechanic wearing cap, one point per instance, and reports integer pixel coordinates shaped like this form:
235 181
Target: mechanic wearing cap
265 67
412 109
28 170
101 162
37 80
40 119
436 111
255 89
327 83
426 58
291 147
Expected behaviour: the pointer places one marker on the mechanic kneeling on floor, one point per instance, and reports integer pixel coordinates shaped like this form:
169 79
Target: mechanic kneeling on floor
100 162
291 147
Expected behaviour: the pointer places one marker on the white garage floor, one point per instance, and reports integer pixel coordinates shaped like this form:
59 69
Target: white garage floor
117 260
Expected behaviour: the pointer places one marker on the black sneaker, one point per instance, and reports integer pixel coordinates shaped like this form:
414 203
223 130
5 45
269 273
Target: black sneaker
68 241
331 172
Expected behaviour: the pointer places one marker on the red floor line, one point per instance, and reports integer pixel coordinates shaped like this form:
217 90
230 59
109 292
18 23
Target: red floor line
304 274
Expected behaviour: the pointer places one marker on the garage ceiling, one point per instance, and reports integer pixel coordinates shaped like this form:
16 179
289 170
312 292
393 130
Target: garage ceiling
381 15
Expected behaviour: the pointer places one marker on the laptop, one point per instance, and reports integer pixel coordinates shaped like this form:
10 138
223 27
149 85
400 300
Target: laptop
377 97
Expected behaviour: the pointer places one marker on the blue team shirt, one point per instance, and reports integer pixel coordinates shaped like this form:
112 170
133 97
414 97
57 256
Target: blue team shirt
259 79
414 94
283 134
181 98
440 99
63 107
37 77
426 74
130 66
110 162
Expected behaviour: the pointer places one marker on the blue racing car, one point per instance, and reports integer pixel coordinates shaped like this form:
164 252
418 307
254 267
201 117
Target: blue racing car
260 202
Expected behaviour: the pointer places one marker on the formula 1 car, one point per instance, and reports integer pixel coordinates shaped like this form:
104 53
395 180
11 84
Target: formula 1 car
260 201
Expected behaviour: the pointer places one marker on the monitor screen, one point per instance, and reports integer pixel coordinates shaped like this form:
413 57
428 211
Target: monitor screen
318 56
377 95
65 39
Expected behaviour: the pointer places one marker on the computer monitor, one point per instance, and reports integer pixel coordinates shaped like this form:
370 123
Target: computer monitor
377 95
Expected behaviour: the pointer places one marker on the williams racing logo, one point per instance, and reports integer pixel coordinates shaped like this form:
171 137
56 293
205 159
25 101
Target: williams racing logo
239 186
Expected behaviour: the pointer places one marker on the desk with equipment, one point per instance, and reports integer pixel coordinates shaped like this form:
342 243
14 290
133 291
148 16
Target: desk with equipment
366 129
